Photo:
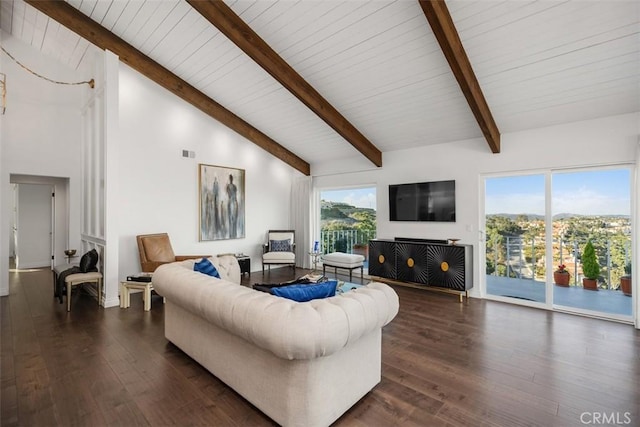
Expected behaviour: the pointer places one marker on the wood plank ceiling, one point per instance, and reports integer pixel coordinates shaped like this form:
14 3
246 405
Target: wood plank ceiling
378 63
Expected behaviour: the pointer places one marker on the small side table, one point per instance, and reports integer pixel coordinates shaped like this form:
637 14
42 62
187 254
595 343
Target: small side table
125 293
245 264
314 259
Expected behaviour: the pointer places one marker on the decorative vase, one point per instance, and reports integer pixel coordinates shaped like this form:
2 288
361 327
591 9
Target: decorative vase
561 278
625 284
590 284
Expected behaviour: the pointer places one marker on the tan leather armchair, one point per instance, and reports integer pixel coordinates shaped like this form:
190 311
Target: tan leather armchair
155 250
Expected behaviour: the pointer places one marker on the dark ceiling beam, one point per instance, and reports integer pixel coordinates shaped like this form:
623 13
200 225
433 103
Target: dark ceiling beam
445 31
93 32
236 30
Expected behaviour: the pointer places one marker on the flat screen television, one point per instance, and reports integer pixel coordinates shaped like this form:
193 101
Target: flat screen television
423 201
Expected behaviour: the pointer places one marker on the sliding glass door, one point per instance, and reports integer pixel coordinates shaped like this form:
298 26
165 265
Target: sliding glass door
515 237
348 221
592 206
555 216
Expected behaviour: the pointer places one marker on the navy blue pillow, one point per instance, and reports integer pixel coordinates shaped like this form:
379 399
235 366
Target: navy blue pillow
280 245
205 266
303 293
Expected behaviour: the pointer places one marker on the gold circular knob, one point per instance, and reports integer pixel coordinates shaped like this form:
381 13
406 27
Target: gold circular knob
410 262
381 259
444 266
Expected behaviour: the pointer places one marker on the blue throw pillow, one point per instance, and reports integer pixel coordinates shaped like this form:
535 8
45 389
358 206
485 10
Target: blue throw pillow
280 245
303 293
205 266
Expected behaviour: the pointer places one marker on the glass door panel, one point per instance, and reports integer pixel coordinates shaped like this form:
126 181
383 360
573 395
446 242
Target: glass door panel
515 237
348 221
592 206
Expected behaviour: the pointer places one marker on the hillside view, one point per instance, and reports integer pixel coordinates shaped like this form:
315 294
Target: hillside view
343 225
516 245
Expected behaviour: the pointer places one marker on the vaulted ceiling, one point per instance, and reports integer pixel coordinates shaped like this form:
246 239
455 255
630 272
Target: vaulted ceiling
378 64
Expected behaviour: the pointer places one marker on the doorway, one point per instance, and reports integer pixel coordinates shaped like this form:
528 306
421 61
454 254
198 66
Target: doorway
32 228
348 220
58 219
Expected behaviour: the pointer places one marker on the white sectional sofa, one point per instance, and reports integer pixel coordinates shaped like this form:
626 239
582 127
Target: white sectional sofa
302 364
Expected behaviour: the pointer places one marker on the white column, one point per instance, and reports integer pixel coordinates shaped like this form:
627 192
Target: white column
635 241
5 215
111 177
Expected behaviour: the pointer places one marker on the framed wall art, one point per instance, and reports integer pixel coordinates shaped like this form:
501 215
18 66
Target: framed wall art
221 192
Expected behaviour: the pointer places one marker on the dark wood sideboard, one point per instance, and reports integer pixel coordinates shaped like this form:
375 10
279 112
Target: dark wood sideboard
423 263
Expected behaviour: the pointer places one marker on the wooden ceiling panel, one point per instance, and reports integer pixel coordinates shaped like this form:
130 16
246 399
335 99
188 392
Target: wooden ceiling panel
223 18
209 56
151 13
87 6
336 30
371 64
39 31
183 33
6 15
571 60
17 20
111 15
171 16
102 8
284 30
538 63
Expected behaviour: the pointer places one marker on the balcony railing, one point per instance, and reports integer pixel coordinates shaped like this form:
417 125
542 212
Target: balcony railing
523 258
345 240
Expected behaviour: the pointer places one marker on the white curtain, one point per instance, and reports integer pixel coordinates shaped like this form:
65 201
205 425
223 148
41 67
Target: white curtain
635 240
301 213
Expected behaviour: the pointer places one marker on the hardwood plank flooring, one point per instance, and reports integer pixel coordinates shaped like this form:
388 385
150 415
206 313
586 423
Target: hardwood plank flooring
479 363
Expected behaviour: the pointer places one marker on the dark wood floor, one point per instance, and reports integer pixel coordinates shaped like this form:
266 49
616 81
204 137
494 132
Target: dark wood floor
479 363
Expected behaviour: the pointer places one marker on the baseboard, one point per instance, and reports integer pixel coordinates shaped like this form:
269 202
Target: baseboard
34 264
111 302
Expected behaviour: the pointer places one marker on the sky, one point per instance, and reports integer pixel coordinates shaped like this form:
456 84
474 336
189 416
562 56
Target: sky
358 197
602 192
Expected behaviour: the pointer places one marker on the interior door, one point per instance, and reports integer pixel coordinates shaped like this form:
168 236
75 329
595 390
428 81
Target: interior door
34 231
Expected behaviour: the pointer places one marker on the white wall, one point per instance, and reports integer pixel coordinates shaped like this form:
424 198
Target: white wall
13 220
41 136
39 133
159 187
605 141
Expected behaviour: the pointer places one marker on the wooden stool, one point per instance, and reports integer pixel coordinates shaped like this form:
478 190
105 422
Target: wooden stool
81 278
125 293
